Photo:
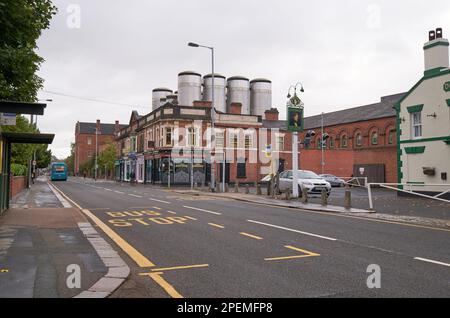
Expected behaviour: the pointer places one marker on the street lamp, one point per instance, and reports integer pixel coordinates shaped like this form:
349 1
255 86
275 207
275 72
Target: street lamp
213 134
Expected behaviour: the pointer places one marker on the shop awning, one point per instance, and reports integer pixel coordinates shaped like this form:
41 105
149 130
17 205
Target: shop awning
28 138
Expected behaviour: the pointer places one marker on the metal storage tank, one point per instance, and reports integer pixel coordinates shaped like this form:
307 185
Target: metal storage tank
189 88
239 92
157 94
260 96
219 91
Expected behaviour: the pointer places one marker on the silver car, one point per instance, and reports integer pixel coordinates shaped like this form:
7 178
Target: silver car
333 180
306 180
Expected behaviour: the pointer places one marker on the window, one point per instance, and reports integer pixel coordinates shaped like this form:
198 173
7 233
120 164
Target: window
248 141
234 140
169 141
374 138
280 143
331 141
192 137
89 141
391 136
344 141
416 120
241 170
220 139
358 140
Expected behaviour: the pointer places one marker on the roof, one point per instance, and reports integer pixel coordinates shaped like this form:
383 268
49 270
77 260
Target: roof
28 138
22 108
382 109
89 128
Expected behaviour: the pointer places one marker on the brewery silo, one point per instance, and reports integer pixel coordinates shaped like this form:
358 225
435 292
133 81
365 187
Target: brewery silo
219 91
189 88
238 92
260 96
157 94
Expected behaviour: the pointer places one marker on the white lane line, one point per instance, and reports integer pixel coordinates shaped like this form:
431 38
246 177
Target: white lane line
59 196
119 192
134 195
162 201
295 231
431 261
107 189
197 209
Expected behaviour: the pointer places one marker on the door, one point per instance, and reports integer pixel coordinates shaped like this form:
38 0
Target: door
227 172
373 172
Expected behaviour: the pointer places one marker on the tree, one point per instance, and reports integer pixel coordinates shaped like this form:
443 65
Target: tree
107 158
21 24
70 160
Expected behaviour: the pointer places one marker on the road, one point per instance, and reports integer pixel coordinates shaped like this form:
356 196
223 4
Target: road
185 246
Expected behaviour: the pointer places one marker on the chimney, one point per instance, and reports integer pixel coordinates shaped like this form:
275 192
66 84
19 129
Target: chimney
236 108
116 127
271 114
202 103
436 52
97 126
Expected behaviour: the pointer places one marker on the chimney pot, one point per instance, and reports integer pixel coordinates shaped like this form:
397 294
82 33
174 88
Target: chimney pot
439 33
431 35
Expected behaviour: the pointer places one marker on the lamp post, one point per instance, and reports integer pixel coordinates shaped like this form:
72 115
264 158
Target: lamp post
213 134
96 153
295 102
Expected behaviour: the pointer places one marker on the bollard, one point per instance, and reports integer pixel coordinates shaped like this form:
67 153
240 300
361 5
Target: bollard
258 188
324 197
247 189
236 187
304 197
348 198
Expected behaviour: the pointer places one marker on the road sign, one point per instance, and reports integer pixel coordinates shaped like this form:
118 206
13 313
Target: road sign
268 151
294 114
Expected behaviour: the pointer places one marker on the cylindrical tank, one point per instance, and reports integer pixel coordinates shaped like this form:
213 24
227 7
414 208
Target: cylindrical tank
219 91
157 94
189 88
260 96
238 92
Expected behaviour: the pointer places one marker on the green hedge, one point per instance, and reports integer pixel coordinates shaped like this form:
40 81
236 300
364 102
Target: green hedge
18 169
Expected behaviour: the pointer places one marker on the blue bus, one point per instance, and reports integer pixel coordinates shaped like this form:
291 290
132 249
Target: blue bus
58 171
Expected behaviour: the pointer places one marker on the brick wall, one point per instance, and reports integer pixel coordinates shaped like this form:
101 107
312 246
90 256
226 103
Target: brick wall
17 185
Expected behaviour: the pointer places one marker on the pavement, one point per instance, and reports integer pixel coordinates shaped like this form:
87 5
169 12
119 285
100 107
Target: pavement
45 242
179 245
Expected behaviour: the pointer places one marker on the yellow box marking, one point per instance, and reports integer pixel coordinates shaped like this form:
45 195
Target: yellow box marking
4 270
217 225
157 208
304 255
171 212
164 284
251 235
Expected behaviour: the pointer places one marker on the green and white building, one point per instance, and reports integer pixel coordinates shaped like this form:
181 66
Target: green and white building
423 123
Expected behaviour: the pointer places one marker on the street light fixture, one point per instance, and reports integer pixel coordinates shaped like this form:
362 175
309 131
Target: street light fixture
213 134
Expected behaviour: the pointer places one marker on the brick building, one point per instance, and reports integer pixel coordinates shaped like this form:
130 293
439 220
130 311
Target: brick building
359 137
85 140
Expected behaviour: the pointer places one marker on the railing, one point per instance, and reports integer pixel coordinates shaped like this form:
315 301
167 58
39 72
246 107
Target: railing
355 181
395 186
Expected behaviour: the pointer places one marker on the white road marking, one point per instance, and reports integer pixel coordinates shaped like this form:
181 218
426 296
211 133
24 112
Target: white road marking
119 192
162 201
197 209
60 197
431 261
134 195
292 230
107 189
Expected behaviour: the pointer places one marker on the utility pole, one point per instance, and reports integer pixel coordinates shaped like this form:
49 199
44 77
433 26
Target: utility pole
96 154
322 144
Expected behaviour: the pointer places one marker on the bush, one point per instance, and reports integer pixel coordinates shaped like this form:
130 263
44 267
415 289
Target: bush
18 169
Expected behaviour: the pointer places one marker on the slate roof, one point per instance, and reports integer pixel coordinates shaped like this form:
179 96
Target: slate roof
382 109
89 128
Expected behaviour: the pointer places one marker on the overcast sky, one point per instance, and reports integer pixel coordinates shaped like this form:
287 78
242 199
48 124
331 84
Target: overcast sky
346 53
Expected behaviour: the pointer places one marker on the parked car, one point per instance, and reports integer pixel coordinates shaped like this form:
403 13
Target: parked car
306 180
333 180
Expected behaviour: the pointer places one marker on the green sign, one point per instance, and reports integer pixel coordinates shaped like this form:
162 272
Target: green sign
447 87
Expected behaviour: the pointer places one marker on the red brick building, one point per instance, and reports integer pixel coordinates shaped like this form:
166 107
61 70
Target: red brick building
86 137
359 137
